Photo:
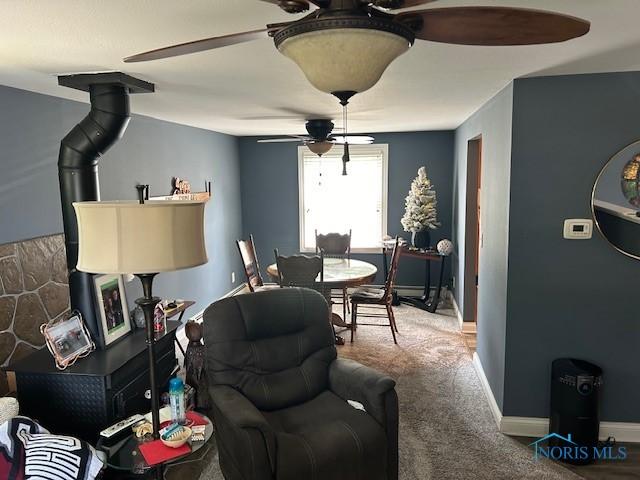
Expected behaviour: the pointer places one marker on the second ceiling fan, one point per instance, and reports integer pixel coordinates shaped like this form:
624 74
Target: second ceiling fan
320 139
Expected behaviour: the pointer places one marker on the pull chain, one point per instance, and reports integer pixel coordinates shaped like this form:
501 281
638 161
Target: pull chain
345 156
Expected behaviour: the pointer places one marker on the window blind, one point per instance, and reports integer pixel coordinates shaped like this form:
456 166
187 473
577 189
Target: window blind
331 202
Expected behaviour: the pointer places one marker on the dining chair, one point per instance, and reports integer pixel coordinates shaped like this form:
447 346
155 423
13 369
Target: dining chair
377 298
305 272
247 249
336 245
300 271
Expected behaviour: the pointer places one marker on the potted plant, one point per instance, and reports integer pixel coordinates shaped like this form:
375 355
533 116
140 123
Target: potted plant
420 210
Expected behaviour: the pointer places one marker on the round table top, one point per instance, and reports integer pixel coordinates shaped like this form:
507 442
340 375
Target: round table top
125 455
341 272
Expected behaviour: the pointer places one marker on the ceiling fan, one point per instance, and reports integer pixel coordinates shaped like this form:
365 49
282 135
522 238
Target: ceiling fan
344 46
320 140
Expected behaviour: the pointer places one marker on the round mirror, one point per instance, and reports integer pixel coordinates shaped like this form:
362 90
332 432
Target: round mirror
615 201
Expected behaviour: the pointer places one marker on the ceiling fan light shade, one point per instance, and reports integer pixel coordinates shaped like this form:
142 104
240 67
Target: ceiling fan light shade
344 59
319 148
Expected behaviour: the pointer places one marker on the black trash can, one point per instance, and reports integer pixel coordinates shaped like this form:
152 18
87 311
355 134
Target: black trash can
575 405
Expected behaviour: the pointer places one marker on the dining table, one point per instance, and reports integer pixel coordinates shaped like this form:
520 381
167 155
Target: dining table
340 273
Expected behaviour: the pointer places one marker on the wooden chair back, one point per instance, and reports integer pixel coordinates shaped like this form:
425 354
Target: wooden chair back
247 251
334 244
393 271
301 271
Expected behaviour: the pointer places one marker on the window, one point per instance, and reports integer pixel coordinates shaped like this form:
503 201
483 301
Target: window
331 202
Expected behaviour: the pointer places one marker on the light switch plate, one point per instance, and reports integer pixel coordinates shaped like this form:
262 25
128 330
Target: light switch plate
578 228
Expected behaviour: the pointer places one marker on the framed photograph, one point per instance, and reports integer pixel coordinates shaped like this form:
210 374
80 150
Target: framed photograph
67 340
112 306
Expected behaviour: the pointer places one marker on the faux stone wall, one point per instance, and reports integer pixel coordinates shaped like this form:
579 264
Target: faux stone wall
33 290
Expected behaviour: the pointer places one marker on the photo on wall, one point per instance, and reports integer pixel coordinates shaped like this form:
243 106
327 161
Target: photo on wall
113 309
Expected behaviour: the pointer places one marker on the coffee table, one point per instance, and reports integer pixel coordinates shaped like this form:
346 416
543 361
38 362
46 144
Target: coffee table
125 456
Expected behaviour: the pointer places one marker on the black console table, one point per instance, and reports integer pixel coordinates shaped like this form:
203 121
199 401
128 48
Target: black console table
424 302
98 390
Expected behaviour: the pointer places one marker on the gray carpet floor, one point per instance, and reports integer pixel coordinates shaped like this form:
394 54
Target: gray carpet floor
446 427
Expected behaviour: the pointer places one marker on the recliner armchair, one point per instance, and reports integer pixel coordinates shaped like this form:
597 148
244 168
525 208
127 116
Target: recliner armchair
279 394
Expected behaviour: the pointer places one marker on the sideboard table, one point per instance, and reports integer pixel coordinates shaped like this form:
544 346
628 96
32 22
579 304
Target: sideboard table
424 302
98 390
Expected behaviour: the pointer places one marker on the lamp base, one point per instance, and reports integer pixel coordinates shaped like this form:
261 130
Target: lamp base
148 304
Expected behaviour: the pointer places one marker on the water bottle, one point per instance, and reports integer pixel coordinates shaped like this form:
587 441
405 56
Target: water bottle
176 399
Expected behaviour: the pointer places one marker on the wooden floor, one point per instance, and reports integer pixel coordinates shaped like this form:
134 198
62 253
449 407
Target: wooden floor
628 469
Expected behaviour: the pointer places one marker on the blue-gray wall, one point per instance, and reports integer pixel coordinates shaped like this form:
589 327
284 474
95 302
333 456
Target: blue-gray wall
542 297
151 151
569 298
269 176
493 123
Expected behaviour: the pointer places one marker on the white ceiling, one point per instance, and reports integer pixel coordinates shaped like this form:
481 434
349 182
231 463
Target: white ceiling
252 89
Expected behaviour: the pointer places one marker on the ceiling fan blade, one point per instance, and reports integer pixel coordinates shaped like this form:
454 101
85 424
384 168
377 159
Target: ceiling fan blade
415 3
297 6
494 26
284 140
352 139
201 45
403 4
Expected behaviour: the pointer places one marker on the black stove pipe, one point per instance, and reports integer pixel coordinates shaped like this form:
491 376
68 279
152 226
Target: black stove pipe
80 151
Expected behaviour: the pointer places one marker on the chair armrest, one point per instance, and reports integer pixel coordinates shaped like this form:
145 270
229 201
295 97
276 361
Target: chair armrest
243 429
240 412
351 380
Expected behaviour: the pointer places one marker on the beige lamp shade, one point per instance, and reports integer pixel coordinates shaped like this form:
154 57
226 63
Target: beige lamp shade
344 59
129 237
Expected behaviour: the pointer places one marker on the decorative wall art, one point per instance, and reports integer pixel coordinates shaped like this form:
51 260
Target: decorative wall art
616 200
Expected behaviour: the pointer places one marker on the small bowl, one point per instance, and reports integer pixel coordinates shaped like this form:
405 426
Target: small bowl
178 438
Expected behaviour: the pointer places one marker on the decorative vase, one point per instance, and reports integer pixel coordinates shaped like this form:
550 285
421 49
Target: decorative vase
137 315
445 247
421 239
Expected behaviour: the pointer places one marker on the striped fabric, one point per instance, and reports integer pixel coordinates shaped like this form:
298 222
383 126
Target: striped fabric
29 452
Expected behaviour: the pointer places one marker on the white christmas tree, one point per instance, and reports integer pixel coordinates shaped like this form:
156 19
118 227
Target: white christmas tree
420 204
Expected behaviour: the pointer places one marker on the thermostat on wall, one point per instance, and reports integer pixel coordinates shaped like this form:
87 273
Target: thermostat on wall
578 228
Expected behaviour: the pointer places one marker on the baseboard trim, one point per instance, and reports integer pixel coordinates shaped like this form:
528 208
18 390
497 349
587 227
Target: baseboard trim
456 309
524 426
488 393
465 327
198 316
537 427
239 289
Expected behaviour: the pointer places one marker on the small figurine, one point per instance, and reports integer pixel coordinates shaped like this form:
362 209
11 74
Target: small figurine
181 186
194 363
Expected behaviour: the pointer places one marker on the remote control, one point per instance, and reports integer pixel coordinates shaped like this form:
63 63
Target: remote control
120 430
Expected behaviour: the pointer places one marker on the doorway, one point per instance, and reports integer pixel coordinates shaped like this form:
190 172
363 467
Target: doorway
473 234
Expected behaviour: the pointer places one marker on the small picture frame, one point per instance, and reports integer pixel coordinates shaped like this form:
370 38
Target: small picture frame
112 307
67 339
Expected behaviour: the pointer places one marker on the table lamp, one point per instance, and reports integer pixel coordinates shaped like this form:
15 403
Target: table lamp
143 239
